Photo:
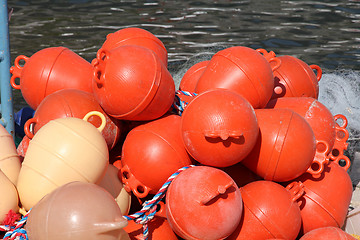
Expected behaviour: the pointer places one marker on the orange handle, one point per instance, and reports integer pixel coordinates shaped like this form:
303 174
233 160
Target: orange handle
223 134
16 70
266 54
344 158
219 191
343 118
277 62
131 182
320 159
99 65
296 190
27 125
318 71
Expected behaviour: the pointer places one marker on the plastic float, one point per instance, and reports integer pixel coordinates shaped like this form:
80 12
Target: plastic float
219 128
67 209
243 70
62 151
270 211
50 69
203 203
72 103
327 233
9 197
132 88
9 159
212 121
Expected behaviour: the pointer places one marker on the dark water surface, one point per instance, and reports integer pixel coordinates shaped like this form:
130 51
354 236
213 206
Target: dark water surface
325 33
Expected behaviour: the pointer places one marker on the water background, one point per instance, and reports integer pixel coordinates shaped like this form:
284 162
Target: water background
325 33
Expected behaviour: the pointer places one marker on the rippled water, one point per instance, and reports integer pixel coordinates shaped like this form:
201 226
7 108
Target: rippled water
326 33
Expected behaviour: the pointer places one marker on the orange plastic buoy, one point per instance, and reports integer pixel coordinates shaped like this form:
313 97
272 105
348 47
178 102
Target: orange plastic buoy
76 210
62 151
315 113
151 153
22 148
203 203
50 70
243 70
131 83
327 233
9 159
138 37
326 199
189 80
158 227
72 103
270 211
285 148
219 128
294 78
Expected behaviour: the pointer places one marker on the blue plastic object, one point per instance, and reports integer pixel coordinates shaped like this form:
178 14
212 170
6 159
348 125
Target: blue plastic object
20 119
6 106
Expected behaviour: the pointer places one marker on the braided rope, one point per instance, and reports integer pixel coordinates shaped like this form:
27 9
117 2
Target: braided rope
16 232
179 105
149 207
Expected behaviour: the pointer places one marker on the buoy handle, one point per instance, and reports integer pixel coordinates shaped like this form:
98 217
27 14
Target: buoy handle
277 63
219 191
343 158
100 115
98 64
343 118
223 134
270 57
27 125
16 70
320 159
296 190
318 71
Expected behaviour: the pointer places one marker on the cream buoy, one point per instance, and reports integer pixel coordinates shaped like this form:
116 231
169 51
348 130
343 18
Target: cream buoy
9 197
62 151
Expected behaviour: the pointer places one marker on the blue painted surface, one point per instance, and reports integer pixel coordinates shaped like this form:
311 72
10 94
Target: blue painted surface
7 110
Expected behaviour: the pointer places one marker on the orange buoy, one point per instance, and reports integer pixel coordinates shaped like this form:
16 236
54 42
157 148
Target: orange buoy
49 70
294 78
315 113
243 70
131 83
203 203
326 199
327 233
76 210
285 148
219 128
151 153
270 211
72 103
189 80
138 37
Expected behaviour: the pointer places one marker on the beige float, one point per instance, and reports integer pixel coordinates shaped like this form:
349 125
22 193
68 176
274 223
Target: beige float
9 197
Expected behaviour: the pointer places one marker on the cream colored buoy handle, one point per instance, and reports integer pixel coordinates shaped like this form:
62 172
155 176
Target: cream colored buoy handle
100 115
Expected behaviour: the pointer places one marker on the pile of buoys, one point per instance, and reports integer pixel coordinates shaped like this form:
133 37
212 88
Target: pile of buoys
242 150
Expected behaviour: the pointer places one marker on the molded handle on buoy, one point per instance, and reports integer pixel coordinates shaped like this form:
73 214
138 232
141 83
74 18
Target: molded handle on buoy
16 70
343 118
320 159
318 71
344 158
223 134
219 191
98 64
132 184
277 63
27 125
100 115
270 57
296 190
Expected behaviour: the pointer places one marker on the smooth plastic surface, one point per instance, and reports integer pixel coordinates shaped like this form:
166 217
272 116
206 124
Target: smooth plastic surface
72 103
49 70
203 203
151 153
111 183
285 148
131 83
352 222
326 199
191 77
9 159
243 70
139 37
9 196
327 233
76 210
219 128
62 151
159 227
294 78
315 113
270 211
